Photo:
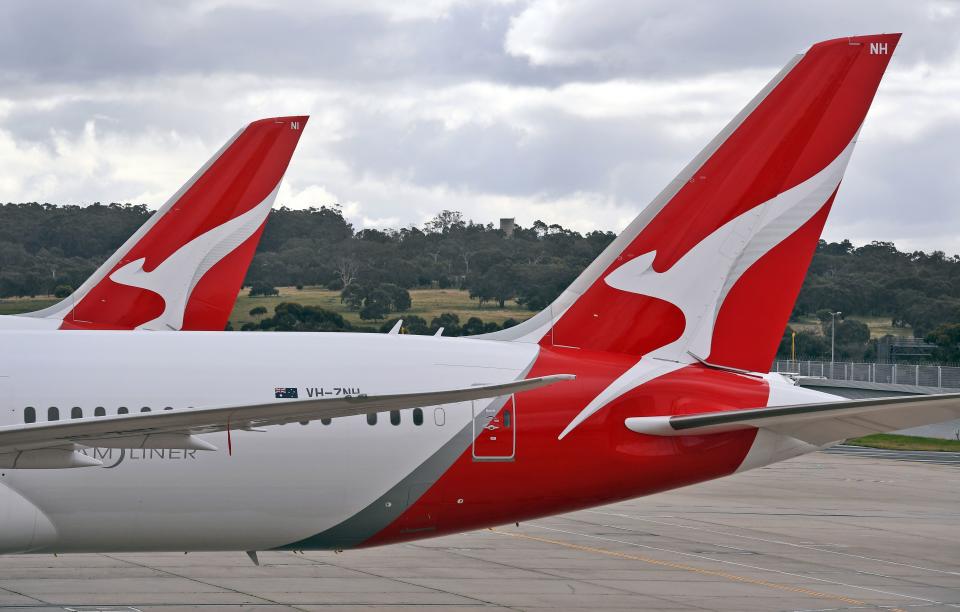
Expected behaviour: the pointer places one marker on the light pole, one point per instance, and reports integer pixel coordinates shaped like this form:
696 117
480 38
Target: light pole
833 335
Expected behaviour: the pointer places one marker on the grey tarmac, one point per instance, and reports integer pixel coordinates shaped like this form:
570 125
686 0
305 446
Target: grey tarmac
846 530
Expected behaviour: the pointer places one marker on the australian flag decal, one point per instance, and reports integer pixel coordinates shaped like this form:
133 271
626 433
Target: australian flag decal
285 392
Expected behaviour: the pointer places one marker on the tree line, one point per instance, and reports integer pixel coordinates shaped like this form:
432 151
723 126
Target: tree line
46 248
291 316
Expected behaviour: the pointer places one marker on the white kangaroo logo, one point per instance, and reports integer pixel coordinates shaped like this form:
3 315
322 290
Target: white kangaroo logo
698 283
175 278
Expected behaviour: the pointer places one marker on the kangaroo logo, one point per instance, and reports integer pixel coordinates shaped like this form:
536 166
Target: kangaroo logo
175 278
698 283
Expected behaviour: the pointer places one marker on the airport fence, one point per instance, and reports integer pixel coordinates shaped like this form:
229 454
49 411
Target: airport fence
892 373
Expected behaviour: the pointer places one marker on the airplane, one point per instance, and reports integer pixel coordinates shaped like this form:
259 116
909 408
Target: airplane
182 270
650 372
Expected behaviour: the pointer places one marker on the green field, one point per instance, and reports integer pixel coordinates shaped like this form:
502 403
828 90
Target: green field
898 442
427 303
10 306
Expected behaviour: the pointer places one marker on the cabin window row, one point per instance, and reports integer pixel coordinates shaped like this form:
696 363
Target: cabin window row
439 417
53 412
395 417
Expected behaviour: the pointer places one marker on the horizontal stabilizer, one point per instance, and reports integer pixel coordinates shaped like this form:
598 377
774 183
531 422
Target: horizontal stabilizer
817 424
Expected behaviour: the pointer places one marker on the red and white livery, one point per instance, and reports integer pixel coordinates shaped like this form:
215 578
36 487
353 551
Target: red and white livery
648 373
183 268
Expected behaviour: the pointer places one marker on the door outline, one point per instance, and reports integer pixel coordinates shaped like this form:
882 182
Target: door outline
481 420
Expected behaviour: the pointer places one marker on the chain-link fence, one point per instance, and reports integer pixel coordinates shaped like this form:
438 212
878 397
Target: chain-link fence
891 373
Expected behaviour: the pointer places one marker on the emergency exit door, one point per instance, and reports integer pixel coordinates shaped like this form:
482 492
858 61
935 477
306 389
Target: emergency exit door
495 430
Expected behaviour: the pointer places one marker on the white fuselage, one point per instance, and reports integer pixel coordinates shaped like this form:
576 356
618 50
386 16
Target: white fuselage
23 322
280 485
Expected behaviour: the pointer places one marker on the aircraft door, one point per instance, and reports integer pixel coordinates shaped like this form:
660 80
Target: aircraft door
494 430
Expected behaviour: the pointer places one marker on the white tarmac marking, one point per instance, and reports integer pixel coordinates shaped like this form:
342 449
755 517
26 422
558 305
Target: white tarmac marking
746 565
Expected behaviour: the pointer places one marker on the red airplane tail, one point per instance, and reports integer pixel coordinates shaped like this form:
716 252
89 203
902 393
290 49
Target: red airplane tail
184 267
710 270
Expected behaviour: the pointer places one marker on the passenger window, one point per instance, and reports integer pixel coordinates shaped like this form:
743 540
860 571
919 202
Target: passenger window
145 409
53 414
372 418
506 419
326 421
394 417
76 413
99 411
439 416
122 410
417 416
29 415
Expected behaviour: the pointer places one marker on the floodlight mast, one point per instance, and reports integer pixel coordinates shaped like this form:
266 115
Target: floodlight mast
833 335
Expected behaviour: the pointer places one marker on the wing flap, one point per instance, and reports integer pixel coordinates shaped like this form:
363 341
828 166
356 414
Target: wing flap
178 427
818 424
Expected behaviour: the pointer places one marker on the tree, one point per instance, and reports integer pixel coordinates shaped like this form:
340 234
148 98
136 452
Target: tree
290 316
353 295
258 311
448 321
473 327
852 332
347 269
375 301
444 222
376 304
498 283
263 290
539 285
947 339
399 297
811 346
851 340
62 291
416 325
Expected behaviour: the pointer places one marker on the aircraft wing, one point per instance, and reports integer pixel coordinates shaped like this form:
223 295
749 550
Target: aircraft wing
54 444
816 424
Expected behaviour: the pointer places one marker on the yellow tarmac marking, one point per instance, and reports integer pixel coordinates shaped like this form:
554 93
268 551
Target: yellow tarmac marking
691 568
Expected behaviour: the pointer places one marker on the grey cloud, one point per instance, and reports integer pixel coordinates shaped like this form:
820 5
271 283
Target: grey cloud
563 154
45 40
136 68
671 37
903 190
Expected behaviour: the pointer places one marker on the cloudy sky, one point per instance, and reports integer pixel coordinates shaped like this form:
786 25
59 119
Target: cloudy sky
572 111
